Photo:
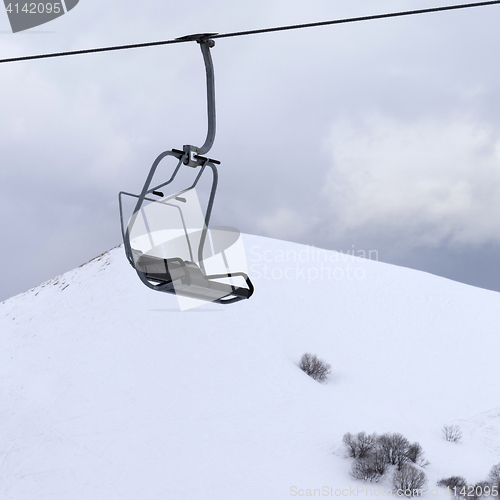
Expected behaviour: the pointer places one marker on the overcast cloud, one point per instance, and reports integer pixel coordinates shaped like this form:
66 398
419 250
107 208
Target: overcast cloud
377 135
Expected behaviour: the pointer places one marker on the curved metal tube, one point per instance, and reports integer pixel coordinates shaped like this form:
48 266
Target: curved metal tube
209 67
142 197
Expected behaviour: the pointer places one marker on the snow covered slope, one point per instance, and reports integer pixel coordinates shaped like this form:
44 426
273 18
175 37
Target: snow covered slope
109 392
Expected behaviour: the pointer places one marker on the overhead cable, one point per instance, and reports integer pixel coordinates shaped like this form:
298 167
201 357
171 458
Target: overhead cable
254 32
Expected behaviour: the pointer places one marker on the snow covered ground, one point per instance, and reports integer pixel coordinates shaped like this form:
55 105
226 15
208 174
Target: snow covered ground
109 392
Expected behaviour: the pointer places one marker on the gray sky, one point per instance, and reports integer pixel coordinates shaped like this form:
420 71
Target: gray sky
379 135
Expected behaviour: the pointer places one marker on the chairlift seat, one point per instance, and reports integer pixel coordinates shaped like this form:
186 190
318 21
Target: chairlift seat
175 275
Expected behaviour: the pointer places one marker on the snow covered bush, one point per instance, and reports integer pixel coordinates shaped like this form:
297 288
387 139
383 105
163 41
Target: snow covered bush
377 461
409 481
373 455
457 482
359 445
494 476
416 455
362 470
314 367
395 448
350 443
392 449
458 486
370 468
452 433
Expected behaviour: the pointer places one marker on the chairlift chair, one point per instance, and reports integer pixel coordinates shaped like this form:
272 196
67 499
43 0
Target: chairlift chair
167 239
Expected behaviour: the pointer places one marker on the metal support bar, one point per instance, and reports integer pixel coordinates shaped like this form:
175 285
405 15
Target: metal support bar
192 151
209 67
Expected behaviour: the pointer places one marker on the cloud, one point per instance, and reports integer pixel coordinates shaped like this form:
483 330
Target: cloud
428 181
331 136
287 224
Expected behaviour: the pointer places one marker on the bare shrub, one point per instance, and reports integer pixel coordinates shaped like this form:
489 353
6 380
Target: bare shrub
409 481
494 476
314 367
375 454
360 445
395 448
372 465
416 455
457 482
366 442
350 443
377 461
363 468
452 433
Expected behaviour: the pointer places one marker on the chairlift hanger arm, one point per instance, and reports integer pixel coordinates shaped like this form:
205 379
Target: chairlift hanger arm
206 43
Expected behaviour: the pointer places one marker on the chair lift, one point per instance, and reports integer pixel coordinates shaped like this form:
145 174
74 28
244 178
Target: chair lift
168 241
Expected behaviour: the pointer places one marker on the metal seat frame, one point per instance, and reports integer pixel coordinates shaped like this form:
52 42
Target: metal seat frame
189 279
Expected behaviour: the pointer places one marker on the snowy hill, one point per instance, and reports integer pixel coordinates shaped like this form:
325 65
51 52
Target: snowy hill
109 392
